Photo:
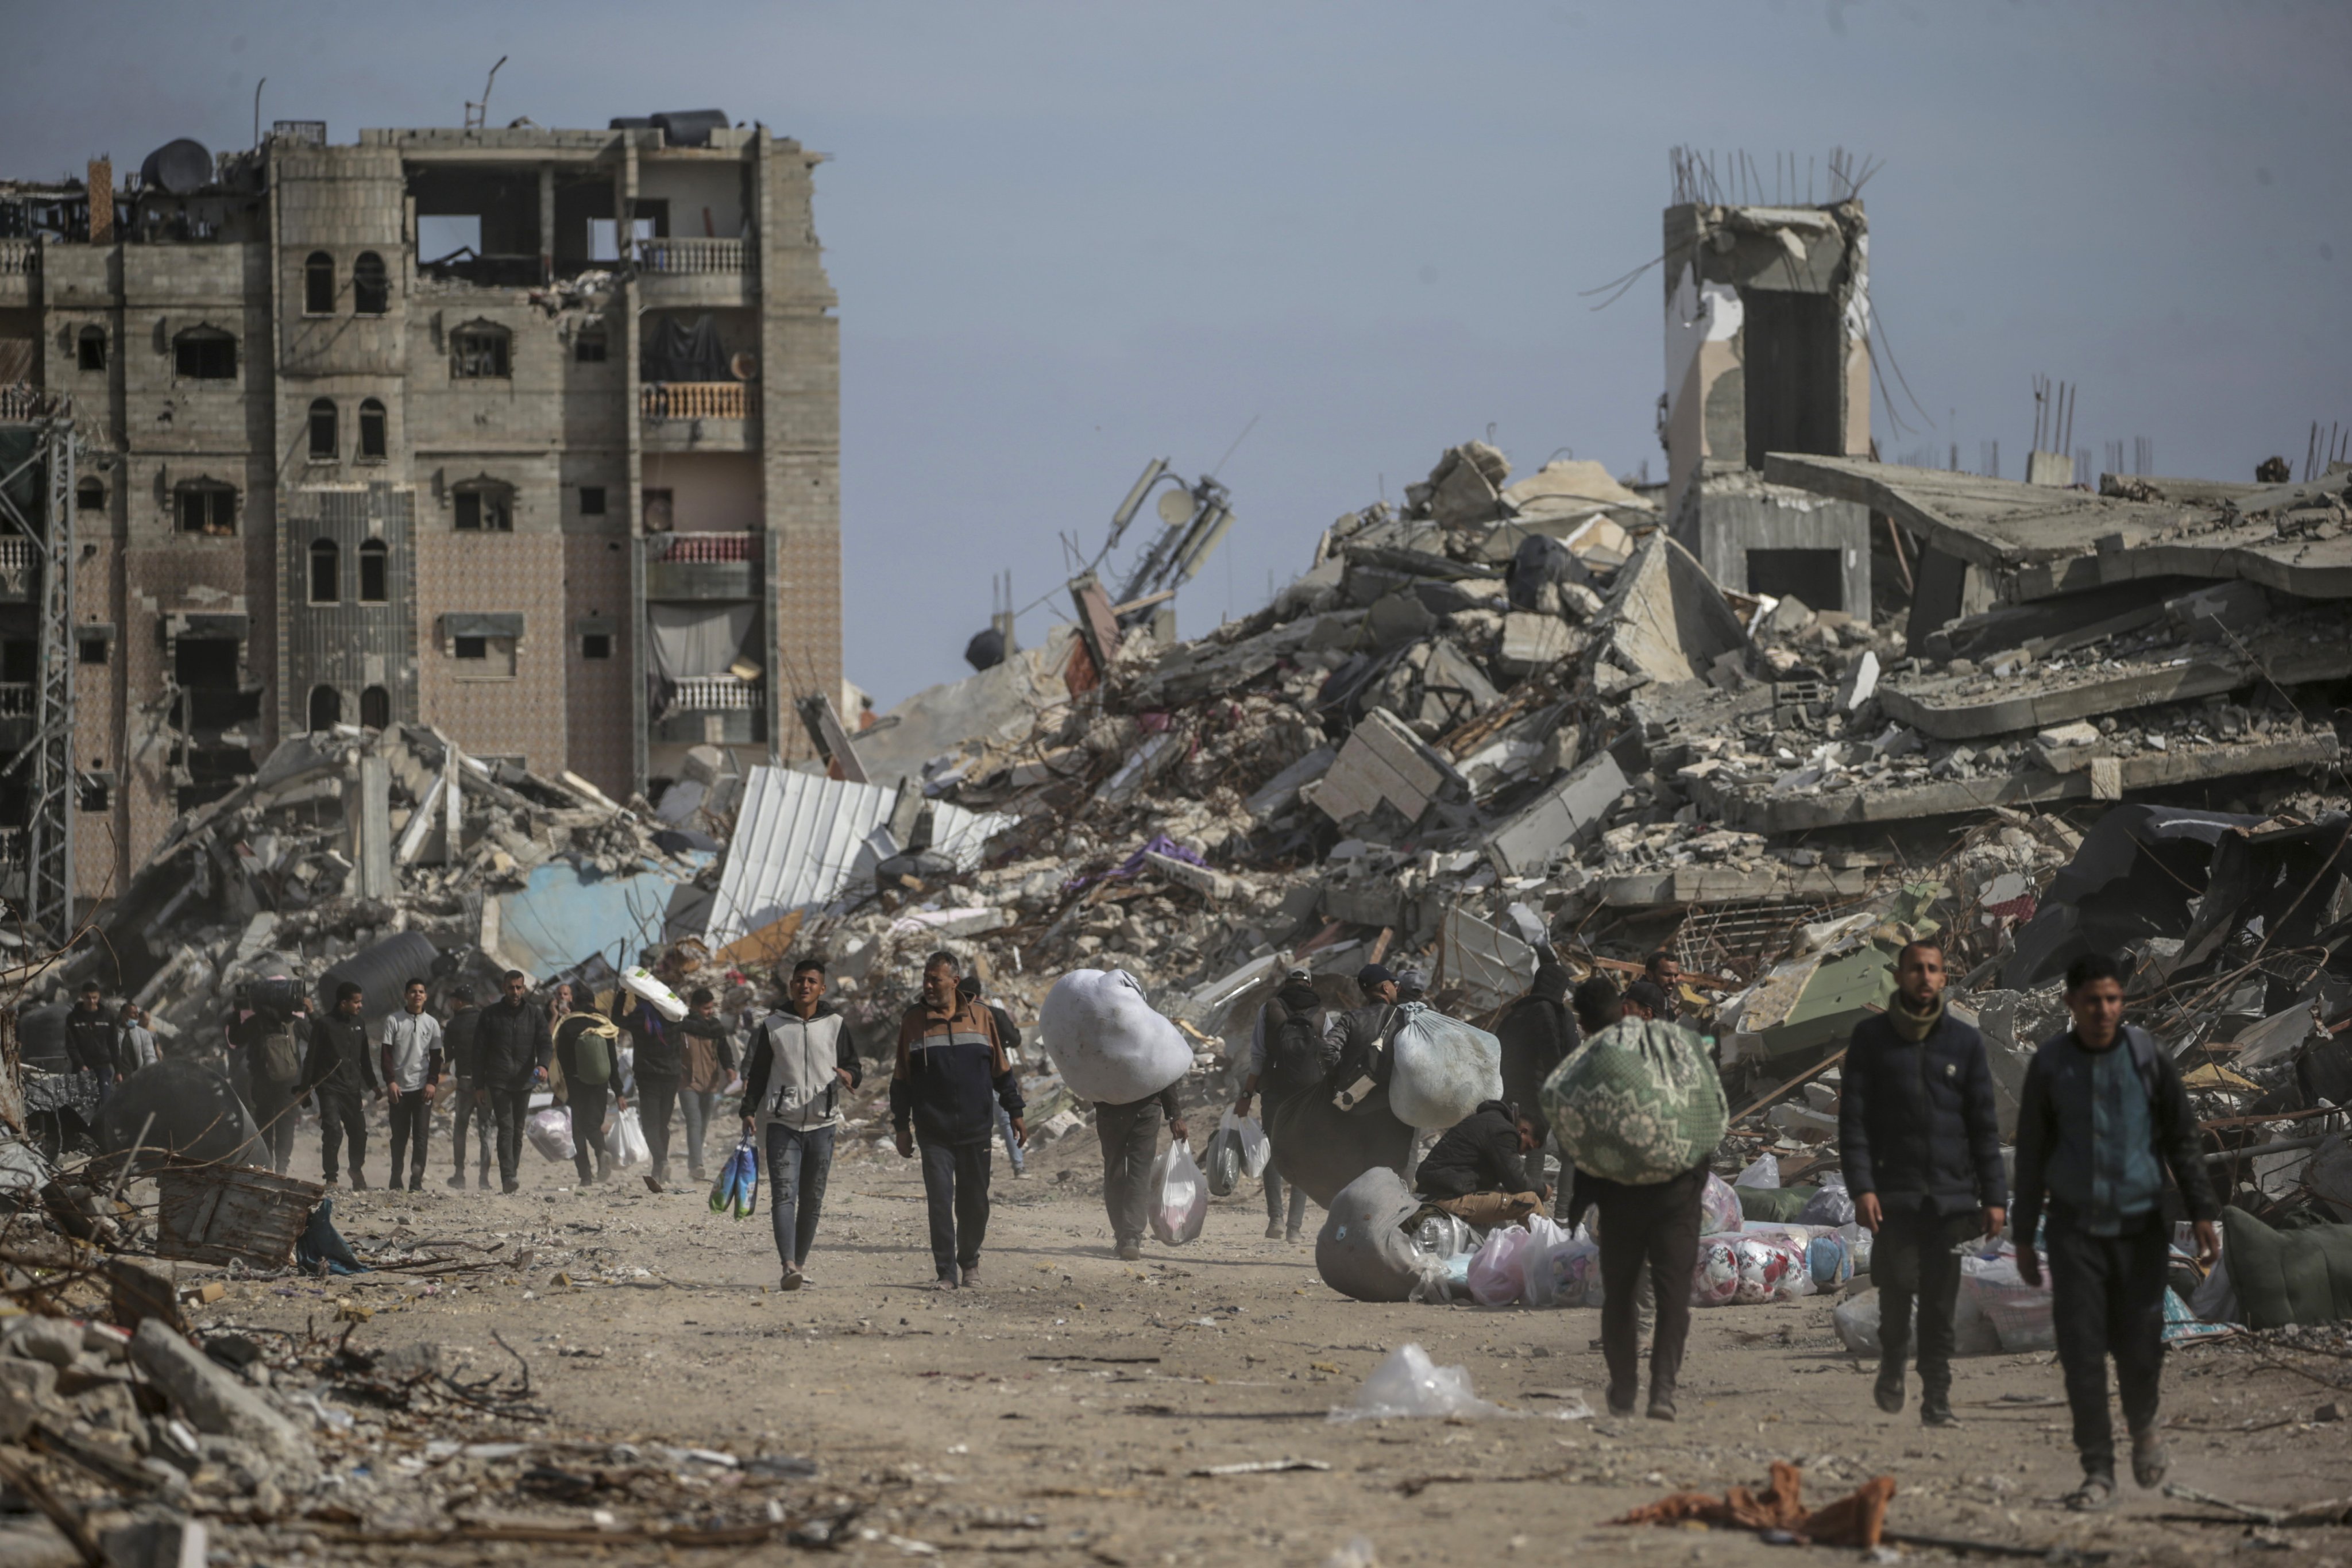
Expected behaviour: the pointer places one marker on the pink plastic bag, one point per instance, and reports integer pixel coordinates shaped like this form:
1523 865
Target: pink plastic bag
1718 1208
1497 1275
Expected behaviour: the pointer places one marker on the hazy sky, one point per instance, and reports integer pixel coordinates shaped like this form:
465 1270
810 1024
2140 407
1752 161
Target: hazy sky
1069 237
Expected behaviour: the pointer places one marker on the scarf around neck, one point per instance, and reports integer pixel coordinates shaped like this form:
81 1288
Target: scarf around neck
1911 1025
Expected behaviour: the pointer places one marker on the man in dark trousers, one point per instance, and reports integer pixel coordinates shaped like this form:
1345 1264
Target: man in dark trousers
2101 1118
89 1040
469 1109
1007 1035
513 1046
801 1059
412 1076
1921 1142
1130 1142
588 1055
658 1064
950 1065
1476 1173
1652 1222
341 1075
1285 1059
275 1036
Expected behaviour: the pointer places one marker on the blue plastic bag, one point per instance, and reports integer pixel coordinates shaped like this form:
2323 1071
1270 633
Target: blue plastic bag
737 1190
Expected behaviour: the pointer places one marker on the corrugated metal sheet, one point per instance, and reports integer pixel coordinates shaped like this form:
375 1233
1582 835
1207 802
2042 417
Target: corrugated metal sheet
798 837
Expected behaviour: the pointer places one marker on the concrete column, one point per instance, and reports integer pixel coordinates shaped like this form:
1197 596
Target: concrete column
547 222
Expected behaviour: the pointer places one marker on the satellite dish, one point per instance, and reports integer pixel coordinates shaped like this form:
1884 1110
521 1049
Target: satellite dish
1176 508
744 365
180 168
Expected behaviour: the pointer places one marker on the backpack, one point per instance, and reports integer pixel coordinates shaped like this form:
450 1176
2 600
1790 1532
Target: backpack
280 1061
592 1052
1293 1055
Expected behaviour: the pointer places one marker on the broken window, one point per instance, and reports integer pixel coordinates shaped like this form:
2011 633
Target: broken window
592 501
588 348
94 794
326 708
603 234
371 437
207 506
596 645
203 353
91 649
1816 577
325 572
205 664
370 287
478 351
375 573
89 495
485 506
483 658
322 428
319 284
375 708
89 348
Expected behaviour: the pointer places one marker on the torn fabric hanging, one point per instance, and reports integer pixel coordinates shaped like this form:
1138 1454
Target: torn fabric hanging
677 350
690 640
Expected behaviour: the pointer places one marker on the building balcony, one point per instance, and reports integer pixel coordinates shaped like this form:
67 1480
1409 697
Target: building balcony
18 698
694 271
714 711
698 415
20 569
702 567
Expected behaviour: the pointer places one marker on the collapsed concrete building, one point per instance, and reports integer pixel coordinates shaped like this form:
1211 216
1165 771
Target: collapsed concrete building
530 436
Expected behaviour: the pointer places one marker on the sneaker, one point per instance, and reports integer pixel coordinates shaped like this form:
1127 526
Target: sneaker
1129 1251
2093 1496
653 1182
482 1180
1274 1230
2149 1459
971 1277
1889 1389
1018 1171
458 1181
793 1280
1291 1236
510 1188
695 1176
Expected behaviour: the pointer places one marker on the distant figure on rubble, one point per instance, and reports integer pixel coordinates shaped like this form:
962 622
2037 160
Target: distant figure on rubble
1665 971
412 1073
2102 1116
1652 1222
466 1060
800 1059
341 1075
657 1064
275 1036
1009 1036
1921 1144
89 1040
514 1047
1286 1060
588 1055
1476 1173
708 1052
950 1065
1538 1033
135 1042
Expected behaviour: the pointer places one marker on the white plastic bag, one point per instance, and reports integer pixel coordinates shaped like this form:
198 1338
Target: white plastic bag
1832 1205
1256 1151
1719 1207
1495 1275
1857 1321
1410 1383
1105 1040
1764 1171
625 1141
1563 1272
638 981
1221 1160
1445 1069
1179 1196
549 1132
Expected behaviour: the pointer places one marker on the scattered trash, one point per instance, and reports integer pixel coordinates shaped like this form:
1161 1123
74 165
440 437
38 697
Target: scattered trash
1408 1384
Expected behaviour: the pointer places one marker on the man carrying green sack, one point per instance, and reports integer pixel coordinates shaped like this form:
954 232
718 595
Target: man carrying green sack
587 1048
1921 1144
2102 1116
1638 1111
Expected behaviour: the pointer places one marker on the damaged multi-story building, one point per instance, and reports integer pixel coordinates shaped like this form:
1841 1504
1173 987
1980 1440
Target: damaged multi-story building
531 435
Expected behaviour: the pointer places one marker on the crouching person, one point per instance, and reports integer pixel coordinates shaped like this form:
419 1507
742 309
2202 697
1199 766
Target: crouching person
950 1070
1476 1173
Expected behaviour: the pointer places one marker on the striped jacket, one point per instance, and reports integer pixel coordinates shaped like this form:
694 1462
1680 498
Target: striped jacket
950 1067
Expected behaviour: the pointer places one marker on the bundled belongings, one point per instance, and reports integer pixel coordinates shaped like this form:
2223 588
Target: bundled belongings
1105 1040
1179 1196
1641 1103
1363 1249
1443 1068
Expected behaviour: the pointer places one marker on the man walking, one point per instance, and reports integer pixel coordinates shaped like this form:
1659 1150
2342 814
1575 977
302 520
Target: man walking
801 1059
465 1059
659 1068
340 1076
1130 1142
274 1034
90 1041
587 1054
1285 1059
135 1047
1357 1041
949 1066
513 1046
708 1055
1648 1214
2101 1118
1921 1143
412 1073
968 988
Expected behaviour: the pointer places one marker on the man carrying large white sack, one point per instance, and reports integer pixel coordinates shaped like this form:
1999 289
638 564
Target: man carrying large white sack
1110 1047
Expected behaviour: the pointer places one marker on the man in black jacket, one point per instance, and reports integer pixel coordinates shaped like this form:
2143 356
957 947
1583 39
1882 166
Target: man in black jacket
513 1045
466 1061
1922 1148
89 1039
1356 1043
341 1074
2102 1116
949 1067
658 1065
1009 1036
1286 1060
1476 1173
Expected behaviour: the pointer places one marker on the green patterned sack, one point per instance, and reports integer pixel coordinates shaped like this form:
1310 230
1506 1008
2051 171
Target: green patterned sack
1641 1103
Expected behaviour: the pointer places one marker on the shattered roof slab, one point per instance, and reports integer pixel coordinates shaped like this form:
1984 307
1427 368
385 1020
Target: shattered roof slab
2062 540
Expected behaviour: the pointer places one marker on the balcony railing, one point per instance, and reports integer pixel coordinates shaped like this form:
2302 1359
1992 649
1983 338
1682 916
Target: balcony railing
18 559
20 257
686 257
683 549
716 694
699 400
17 698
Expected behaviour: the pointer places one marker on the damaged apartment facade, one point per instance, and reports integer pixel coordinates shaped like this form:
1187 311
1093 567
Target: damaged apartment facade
530 435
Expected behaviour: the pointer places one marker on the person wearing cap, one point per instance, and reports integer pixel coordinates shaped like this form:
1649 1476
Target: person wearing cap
970 989
1295 1012
1356 1040
1412 986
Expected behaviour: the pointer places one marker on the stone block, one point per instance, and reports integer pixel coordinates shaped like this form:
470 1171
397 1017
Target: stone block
211 1398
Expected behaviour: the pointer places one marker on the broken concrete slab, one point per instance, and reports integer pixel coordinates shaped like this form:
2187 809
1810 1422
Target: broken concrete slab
1666 619
1381 762
211 1398
1280 793
1490 966
1549 827
1773 881
1533 642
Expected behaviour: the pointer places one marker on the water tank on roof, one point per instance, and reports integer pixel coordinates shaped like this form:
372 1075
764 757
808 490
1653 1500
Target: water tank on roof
181 168
630 122
691 127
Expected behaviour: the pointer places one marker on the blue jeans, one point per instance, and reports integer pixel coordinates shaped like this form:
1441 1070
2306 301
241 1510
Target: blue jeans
798 1162
1012 1145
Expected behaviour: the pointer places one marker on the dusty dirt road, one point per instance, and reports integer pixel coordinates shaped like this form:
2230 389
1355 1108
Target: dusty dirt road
1063 1411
